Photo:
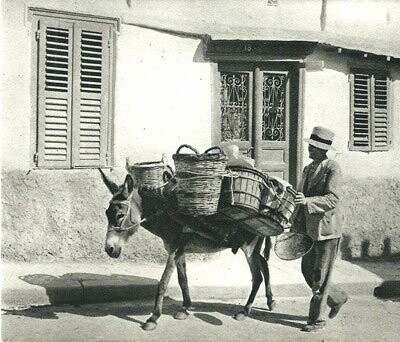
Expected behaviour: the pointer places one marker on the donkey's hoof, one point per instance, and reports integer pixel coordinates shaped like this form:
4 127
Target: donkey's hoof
271 305
181 315
149 325
241 316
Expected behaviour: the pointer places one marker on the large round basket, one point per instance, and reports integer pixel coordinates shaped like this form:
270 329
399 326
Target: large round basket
149 175
243 187
199 178
290 245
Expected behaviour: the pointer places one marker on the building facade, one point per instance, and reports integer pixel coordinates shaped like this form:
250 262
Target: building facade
87 84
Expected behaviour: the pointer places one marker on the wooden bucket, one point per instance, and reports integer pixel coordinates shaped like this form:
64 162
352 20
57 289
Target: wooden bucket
280 201
243 187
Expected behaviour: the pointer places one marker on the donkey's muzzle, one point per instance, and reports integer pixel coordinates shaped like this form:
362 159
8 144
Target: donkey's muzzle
113 252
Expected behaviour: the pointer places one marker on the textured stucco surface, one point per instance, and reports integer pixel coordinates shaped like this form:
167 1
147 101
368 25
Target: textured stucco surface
59 216
371 208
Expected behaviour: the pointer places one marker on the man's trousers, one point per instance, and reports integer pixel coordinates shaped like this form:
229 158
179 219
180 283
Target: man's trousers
317 266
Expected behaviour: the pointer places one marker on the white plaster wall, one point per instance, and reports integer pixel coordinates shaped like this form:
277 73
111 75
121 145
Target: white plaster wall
15 87
327 103
162 95
364 18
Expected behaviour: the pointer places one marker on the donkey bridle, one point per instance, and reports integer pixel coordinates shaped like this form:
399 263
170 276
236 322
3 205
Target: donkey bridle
121 228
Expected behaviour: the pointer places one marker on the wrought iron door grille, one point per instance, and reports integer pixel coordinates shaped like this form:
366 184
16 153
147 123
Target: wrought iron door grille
234 107
274 106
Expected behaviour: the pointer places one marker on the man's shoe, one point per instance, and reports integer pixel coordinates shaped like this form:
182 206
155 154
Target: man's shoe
335 309
312 327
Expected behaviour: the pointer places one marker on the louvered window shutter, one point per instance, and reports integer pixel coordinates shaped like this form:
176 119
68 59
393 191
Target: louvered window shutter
360 112
380 117
370 126
54 93
91 94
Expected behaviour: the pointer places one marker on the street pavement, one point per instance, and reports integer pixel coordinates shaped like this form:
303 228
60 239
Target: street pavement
365 319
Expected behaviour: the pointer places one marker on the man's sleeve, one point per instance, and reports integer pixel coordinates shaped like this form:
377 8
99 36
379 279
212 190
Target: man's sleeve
327 201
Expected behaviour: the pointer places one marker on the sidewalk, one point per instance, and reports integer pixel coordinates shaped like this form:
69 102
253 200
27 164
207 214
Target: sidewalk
224 277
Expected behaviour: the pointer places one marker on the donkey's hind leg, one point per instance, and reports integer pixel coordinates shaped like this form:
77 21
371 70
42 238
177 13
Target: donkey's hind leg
151 322
252 252
183 283
265 271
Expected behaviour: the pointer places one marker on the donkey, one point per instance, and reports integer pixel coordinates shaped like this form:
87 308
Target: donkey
128 210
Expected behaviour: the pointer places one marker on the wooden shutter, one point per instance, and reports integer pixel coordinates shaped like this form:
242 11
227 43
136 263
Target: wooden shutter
91 94
380 117
54 93
360 111
370 126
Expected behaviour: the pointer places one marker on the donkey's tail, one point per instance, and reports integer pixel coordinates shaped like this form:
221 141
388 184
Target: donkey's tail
267 247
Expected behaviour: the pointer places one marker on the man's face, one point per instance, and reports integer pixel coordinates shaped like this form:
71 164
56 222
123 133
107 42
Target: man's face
315 152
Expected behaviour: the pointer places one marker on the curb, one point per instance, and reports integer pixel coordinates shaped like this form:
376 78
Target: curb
91 292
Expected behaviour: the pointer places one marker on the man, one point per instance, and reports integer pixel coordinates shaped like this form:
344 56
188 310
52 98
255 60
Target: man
319 216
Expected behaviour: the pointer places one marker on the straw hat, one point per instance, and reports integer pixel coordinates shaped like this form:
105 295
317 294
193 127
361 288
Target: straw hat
321 137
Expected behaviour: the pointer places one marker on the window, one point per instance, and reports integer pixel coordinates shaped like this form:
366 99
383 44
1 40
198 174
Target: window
74 86
370 111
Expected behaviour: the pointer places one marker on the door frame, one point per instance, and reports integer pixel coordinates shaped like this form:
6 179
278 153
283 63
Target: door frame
296 105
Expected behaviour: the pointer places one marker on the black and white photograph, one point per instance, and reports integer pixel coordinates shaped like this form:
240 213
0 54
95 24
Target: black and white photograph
200 170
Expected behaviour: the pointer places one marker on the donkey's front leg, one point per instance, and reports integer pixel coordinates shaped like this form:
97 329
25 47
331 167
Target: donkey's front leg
151 323
183 283
252 255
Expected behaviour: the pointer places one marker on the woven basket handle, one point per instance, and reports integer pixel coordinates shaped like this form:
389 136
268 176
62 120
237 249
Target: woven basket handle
187 146
214 148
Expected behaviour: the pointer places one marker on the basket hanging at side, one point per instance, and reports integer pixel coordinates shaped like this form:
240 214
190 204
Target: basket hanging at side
199 178
149 175
291 246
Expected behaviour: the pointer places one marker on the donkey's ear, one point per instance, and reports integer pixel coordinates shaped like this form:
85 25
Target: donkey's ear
128 186
109 183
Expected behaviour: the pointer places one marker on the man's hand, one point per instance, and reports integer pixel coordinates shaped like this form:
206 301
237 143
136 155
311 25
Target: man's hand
300 199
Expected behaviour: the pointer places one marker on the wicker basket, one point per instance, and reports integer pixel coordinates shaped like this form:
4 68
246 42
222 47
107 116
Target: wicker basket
150 176
243 188
199 178
291 246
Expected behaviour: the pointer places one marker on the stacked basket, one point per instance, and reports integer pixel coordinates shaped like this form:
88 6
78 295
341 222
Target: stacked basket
150 176
199 178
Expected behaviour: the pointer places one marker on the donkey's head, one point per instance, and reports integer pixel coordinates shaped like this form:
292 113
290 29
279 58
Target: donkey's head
123 214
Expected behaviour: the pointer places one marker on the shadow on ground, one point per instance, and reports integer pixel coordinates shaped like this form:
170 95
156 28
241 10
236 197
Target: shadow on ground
85 288
203 311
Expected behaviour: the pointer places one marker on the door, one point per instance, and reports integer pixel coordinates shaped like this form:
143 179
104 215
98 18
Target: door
259 113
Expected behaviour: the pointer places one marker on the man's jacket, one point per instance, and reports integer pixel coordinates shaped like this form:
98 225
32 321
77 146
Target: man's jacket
320 217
